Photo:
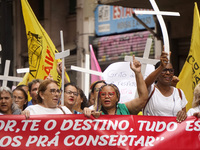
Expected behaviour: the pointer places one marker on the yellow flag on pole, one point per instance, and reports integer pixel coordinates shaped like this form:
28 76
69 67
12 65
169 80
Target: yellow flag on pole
190 73
41 50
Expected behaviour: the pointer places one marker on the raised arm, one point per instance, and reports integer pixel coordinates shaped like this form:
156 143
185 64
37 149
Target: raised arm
59 70
153 76
135 105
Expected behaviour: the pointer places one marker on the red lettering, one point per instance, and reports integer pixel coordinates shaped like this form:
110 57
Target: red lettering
129 12
116 12
48 62
50 57
48 69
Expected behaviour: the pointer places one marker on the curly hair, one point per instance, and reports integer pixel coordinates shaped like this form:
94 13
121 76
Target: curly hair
98 107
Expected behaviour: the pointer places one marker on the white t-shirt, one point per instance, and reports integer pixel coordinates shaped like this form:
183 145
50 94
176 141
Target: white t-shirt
160 105
40 110
191 111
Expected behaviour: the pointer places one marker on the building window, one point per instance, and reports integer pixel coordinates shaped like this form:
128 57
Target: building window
38 8
72 7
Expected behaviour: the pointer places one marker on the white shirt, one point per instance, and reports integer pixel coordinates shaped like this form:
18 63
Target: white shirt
160 105
191 111
40 110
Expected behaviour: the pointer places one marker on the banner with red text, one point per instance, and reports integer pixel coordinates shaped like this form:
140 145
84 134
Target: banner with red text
107 132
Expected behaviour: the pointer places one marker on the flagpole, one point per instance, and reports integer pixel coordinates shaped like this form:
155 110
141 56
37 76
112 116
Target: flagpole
63 66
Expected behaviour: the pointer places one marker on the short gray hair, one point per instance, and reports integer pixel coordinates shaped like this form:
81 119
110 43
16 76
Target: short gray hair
6 89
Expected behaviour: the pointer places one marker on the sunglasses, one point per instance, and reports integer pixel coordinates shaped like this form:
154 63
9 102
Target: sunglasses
170 71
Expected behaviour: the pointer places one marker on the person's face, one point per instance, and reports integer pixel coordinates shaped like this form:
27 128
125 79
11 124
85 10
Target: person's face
108 97
5 103
96 89
79 100
166 75
34 89
51 95
70 96
19 98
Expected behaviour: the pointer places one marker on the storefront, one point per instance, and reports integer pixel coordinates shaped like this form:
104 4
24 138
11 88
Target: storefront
119 34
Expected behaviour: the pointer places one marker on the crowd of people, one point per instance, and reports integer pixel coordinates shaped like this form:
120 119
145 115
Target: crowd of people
157 96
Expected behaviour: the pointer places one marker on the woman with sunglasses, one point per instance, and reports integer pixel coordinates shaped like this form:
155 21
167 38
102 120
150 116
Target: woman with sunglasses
109 95
164 99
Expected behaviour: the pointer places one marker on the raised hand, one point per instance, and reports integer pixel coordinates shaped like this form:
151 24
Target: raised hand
135 65
164 59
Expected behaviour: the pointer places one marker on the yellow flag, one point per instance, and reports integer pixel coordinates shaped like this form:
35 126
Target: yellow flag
190 74
41 50
25 79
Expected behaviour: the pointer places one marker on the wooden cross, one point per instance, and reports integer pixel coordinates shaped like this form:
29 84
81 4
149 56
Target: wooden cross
62 56
7 78
161 22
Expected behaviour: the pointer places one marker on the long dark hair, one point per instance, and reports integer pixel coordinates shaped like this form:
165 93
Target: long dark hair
82 95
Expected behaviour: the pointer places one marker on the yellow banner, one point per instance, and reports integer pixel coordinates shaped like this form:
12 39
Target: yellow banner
41 50
190 74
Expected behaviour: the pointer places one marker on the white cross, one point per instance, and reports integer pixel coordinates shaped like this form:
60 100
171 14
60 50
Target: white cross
144 61
161 21
23 70
62 56
7 78
87 71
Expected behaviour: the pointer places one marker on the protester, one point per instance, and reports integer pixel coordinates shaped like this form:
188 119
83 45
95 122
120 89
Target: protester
48 99
33 88
164 99
94 92
20 97
25 87
7 105
81 102
196 102
70 95
109 96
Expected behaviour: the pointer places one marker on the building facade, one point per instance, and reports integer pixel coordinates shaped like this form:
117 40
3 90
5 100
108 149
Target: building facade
77 20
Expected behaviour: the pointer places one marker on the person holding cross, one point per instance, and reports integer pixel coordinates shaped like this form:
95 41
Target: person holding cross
109 95
164 99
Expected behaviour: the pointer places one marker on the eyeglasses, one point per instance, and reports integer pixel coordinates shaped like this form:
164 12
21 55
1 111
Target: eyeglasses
110 94
70 92
54 91
165 71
